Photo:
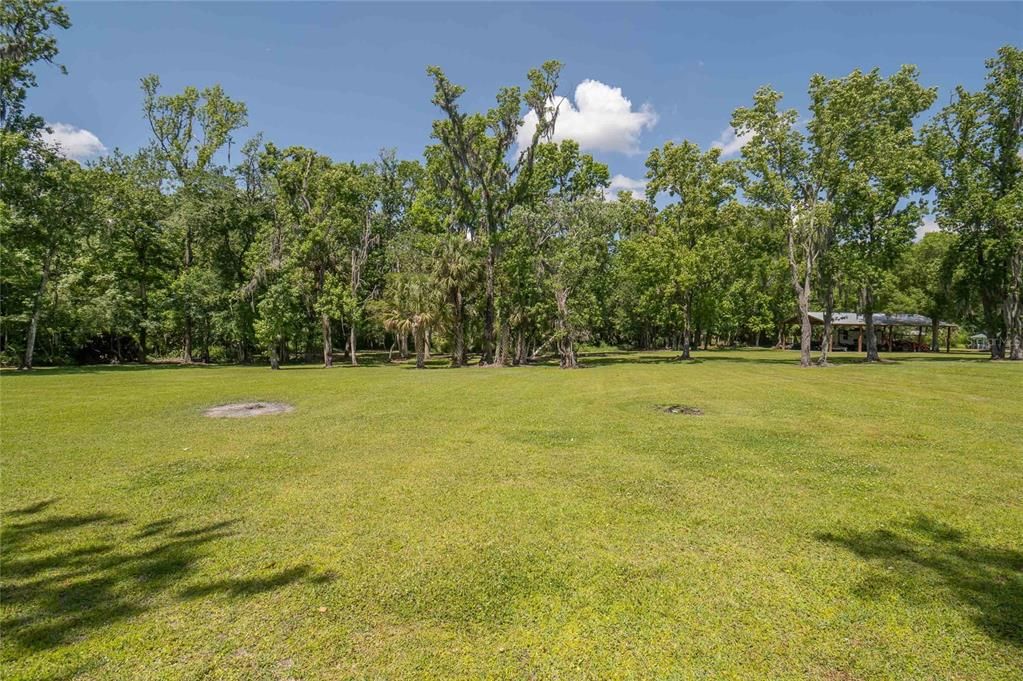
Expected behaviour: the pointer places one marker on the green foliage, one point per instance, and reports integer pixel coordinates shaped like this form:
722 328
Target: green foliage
978 141
25 40
497 243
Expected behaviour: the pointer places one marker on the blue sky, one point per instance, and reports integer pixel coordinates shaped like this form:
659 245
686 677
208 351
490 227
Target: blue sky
349 79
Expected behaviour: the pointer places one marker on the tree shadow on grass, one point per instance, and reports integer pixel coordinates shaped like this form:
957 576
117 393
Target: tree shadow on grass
44 371
761 356
666 357
65 577
928 558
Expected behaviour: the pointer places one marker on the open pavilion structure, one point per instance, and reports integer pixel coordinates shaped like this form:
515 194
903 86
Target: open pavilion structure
849 329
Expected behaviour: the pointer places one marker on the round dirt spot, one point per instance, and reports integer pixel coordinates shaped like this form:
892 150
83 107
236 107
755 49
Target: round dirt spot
680 409
242 410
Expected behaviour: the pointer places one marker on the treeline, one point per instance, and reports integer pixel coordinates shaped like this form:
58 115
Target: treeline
489 250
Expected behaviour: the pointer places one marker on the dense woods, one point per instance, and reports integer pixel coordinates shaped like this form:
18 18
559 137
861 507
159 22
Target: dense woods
490 250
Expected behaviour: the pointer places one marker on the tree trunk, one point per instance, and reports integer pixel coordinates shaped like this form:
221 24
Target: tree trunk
351 344
187 355
805 328
143 331
37 308
275 362
802 288
1013 307
457 328
419 335
991 322
206 342
403 345
503 346
829 313
687 331
868 319
489 332
935 336
566 345
328 346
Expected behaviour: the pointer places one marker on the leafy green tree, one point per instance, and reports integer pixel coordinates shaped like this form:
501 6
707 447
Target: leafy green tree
878 171
25 40
455 268
278 319
688 233
188 130
29 172
53 209
477 148
978 140
562 176
571 241
787 177
925 280
134 245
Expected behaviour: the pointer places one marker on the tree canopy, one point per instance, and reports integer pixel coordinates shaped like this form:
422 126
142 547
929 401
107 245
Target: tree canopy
501 249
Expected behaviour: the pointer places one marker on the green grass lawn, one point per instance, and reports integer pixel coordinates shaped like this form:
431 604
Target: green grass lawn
854 522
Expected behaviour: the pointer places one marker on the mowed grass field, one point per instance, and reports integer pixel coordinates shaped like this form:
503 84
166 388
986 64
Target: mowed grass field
854 522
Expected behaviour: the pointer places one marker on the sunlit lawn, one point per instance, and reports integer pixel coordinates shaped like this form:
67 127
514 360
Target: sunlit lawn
854 522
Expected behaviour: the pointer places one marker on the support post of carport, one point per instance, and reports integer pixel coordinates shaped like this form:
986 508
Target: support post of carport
859 340
948 339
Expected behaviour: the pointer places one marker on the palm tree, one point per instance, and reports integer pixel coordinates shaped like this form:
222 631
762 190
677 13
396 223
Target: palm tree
453 267
409 305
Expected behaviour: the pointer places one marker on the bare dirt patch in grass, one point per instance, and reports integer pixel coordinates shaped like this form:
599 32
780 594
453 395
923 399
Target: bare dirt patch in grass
682 409
241 410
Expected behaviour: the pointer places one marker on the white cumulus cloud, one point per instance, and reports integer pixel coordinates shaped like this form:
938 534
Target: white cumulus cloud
621 183
729 143
74 142
600 119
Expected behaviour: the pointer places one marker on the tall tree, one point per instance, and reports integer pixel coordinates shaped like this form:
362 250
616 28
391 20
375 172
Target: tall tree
25 40
925 281
134 240
57 205
571 241
978 140
786 175
562 177
878 171
688 233
30 172
189 129
477 148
